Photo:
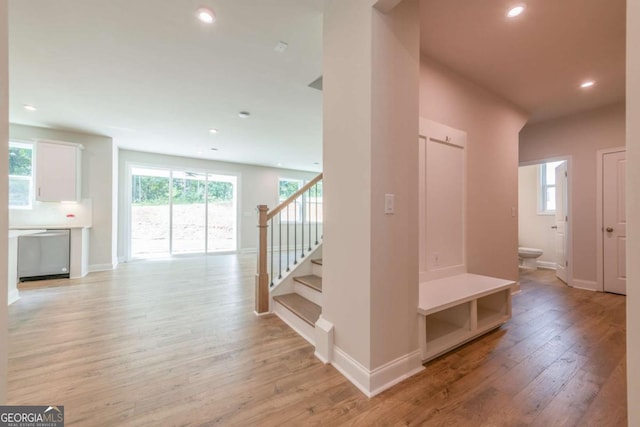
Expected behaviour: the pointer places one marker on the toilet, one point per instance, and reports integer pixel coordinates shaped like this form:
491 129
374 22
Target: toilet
528 257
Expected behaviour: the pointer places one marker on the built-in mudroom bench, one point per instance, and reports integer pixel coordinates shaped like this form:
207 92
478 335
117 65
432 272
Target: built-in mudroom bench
454 305
456 309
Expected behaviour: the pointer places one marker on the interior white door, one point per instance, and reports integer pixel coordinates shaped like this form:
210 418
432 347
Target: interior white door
614 222
561 222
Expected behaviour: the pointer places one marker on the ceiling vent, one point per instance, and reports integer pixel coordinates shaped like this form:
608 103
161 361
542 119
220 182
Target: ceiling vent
317 83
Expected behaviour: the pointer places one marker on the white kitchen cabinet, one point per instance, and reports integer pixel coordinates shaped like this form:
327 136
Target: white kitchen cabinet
58 171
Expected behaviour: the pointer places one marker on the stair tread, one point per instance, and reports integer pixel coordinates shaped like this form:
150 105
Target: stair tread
311 280
301 307
317 261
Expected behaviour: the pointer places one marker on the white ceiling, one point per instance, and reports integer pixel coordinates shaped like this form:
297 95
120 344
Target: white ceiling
538 59
151 76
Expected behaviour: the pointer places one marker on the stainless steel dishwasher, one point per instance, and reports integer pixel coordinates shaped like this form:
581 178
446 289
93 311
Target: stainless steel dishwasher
43 255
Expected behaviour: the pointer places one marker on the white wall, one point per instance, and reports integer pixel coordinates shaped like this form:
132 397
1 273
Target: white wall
492 125
97 184
633 212
534 230
579 136
4 197
257 185
370 128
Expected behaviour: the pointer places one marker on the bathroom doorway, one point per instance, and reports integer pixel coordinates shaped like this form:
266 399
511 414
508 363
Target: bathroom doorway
543 216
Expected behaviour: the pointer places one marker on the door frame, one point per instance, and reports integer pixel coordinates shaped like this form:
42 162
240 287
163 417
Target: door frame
569 230
127 216
600 214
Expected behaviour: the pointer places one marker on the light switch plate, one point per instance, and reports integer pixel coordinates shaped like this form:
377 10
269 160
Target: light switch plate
389 204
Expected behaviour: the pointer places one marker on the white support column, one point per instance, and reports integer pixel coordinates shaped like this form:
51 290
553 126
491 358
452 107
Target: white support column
370 273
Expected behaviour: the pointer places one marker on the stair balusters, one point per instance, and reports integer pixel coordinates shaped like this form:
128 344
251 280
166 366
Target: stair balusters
305 216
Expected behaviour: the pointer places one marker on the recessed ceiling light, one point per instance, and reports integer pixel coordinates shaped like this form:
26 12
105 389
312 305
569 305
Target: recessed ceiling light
213 130
200 152
587 84
30 107
244 114
281 47
206 15
515 11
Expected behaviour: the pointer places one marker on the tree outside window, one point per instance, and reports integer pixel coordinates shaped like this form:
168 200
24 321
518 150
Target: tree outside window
20 175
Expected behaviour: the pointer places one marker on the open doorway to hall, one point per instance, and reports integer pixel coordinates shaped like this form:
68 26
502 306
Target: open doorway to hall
543 217
181 212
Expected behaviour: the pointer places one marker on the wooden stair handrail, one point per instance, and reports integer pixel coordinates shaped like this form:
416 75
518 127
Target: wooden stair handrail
275 211
262 275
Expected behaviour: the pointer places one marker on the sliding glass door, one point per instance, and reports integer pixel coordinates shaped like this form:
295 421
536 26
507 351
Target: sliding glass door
178 212
150 212
221 213
188 209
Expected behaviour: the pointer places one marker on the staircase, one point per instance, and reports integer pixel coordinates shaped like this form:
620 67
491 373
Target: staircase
289 276
301 308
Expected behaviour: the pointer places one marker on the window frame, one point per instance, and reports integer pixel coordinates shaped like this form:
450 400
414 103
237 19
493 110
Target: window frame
29 178
300 207
544 186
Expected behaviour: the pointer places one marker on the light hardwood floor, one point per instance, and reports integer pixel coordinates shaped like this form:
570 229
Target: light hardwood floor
175 342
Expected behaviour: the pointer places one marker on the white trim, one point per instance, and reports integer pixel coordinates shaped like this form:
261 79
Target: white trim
53 141
324 340
13 296
600 215
303 329
93 268
570 210
373 382
395 371
266 313
430 130
546 264
587 285
233 177
307 293
121 259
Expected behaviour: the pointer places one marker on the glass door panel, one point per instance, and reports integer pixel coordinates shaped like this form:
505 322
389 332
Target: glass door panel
221 213
188 219
150 214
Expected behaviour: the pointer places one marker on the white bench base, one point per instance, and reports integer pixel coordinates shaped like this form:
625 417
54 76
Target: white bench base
457 309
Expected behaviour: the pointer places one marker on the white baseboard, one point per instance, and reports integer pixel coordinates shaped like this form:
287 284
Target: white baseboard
14 295
101 267
587 285
122 259
547 264
324 340
380 379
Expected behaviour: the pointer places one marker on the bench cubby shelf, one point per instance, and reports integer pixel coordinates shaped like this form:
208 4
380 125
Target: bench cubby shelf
457 309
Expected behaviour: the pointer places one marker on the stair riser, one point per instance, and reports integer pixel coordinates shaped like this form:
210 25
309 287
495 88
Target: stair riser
297 324
316 269
308 293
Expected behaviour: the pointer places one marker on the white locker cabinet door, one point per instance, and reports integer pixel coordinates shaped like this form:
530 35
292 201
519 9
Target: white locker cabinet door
57 172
